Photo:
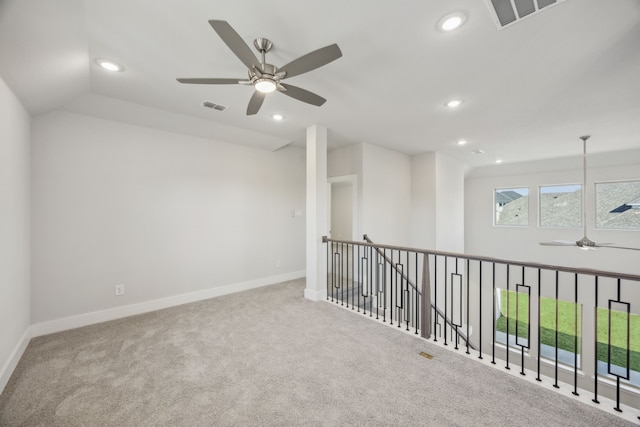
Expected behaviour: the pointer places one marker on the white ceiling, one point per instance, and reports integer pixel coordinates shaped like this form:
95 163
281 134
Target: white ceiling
530 89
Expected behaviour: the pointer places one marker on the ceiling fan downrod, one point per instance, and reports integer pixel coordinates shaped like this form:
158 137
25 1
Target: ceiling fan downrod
263 45
585 241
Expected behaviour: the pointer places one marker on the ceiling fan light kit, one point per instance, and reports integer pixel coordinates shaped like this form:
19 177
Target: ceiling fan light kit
266 78
265 85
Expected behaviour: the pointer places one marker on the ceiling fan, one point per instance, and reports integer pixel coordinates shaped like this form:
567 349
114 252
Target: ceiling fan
584 243
266 78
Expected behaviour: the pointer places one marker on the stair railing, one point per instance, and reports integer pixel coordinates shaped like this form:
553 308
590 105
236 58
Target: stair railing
438 311
573 326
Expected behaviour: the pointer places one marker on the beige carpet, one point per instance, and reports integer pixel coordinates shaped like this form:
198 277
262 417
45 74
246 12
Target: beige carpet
267 357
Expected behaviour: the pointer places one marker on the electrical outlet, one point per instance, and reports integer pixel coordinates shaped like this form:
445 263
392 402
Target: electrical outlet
277 263
119 290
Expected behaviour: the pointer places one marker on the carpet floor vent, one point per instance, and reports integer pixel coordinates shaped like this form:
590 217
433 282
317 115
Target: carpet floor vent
426 355
508 12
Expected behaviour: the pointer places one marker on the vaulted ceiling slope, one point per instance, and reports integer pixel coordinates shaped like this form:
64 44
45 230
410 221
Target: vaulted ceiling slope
529 89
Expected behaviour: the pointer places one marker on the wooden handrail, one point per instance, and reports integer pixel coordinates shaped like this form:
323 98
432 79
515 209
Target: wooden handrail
600 273
389 261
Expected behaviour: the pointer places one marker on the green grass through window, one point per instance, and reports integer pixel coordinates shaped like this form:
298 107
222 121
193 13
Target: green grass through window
567 327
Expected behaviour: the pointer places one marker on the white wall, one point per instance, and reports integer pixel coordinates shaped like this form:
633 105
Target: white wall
437 202
15 312
521 243
386 195
162 213
450 213
416 201
423 201
345 161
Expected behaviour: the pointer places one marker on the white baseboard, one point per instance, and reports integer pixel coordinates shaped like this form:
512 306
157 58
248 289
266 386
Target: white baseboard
86 319
11 364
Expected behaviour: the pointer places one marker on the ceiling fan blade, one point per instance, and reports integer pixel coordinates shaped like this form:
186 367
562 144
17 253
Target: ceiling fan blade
233 40
303 95
312 60
559 243
207 81
605 245
255 103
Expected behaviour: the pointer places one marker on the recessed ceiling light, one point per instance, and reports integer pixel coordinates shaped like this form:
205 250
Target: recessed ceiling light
277 117
454 103
109 65
478 151
452 21
461 142
498 161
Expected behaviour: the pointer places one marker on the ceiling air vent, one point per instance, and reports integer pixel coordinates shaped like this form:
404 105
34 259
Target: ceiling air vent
507 12
210 104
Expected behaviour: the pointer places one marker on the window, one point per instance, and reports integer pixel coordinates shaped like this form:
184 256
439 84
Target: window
568 320
517 312
561 205
618 205
511 206
619 353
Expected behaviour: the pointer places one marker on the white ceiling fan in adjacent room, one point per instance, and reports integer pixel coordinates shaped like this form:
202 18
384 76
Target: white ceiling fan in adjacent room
585 243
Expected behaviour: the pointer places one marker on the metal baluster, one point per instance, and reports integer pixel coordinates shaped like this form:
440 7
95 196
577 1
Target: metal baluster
425 302
539 325
555 384
370 282
619 298
407 304
417 296
493 319
334 247
384 286
353 276
399 290
365 279
595 344
479 309
328 256
365 282
348 283
508 315
446 316
391 286
435 297
341 274
468 307
377 287
360 279
455 325
575 337
339 278
518 325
